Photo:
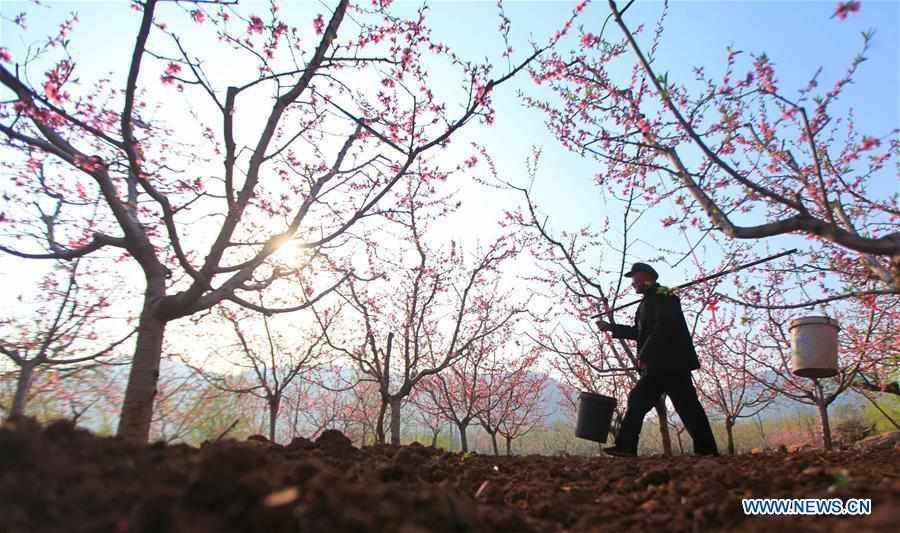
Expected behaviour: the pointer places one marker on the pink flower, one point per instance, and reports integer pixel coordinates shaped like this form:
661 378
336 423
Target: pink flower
845 8
319 24
868 143
5 55
587 40
765 73
51 89
198 16
172 70
256 25
643 125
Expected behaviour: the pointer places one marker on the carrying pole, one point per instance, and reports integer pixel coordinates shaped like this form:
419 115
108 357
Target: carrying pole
710 277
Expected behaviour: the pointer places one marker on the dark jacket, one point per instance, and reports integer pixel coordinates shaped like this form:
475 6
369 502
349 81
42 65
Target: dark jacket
663 339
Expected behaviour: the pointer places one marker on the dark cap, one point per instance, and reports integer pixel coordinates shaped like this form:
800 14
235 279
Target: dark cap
642 267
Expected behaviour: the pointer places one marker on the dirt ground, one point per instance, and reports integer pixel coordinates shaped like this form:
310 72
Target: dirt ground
63 479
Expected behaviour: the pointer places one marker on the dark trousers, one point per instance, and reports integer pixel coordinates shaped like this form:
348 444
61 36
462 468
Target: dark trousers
678 387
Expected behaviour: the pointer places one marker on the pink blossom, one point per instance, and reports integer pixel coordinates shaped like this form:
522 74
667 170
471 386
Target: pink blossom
5 55
198 16
587 40
256 25
644 126
868 143
319 24
51 89
845 8
765 73
172 70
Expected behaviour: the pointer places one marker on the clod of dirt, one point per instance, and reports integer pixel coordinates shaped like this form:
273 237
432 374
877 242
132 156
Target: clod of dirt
654 477
409 457
300 443
332 440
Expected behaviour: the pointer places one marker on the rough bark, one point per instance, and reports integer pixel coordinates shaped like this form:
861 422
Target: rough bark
729 430
463 439
664 435
274 407
395 420
379 423
826 426
23 385
140 393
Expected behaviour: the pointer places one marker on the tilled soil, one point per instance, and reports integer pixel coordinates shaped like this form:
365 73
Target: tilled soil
63 479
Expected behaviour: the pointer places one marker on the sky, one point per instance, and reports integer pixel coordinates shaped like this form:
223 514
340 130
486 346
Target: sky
797 36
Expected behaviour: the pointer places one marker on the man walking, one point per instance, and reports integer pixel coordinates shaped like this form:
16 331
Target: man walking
666 357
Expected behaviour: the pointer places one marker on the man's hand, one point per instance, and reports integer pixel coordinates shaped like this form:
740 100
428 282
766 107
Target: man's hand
604 326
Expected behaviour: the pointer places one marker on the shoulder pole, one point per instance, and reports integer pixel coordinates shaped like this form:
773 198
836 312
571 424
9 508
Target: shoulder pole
710 277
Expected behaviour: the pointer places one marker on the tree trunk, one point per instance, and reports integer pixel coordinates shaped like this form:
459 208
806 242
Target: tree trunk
729 430
463 439
494 443
762 431
826 427
295 421
395 420
379 422
23 385
137 407
434 436
274 404
508 444
663 415
680 442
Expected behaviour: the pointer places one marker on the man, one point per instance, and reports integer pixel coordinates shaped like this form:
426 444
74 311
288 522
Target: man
666 357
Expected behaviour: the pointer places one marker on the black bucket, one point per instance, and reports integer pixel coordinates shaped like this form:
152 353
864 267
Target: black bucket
595 413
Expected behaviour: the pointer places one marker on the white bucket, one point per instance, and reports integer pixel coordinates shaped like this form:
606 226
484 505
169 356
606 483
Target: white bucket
815 346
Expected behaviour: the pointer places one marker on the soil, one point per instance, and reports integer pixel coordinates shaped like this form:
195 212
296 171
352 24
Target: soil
64 479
